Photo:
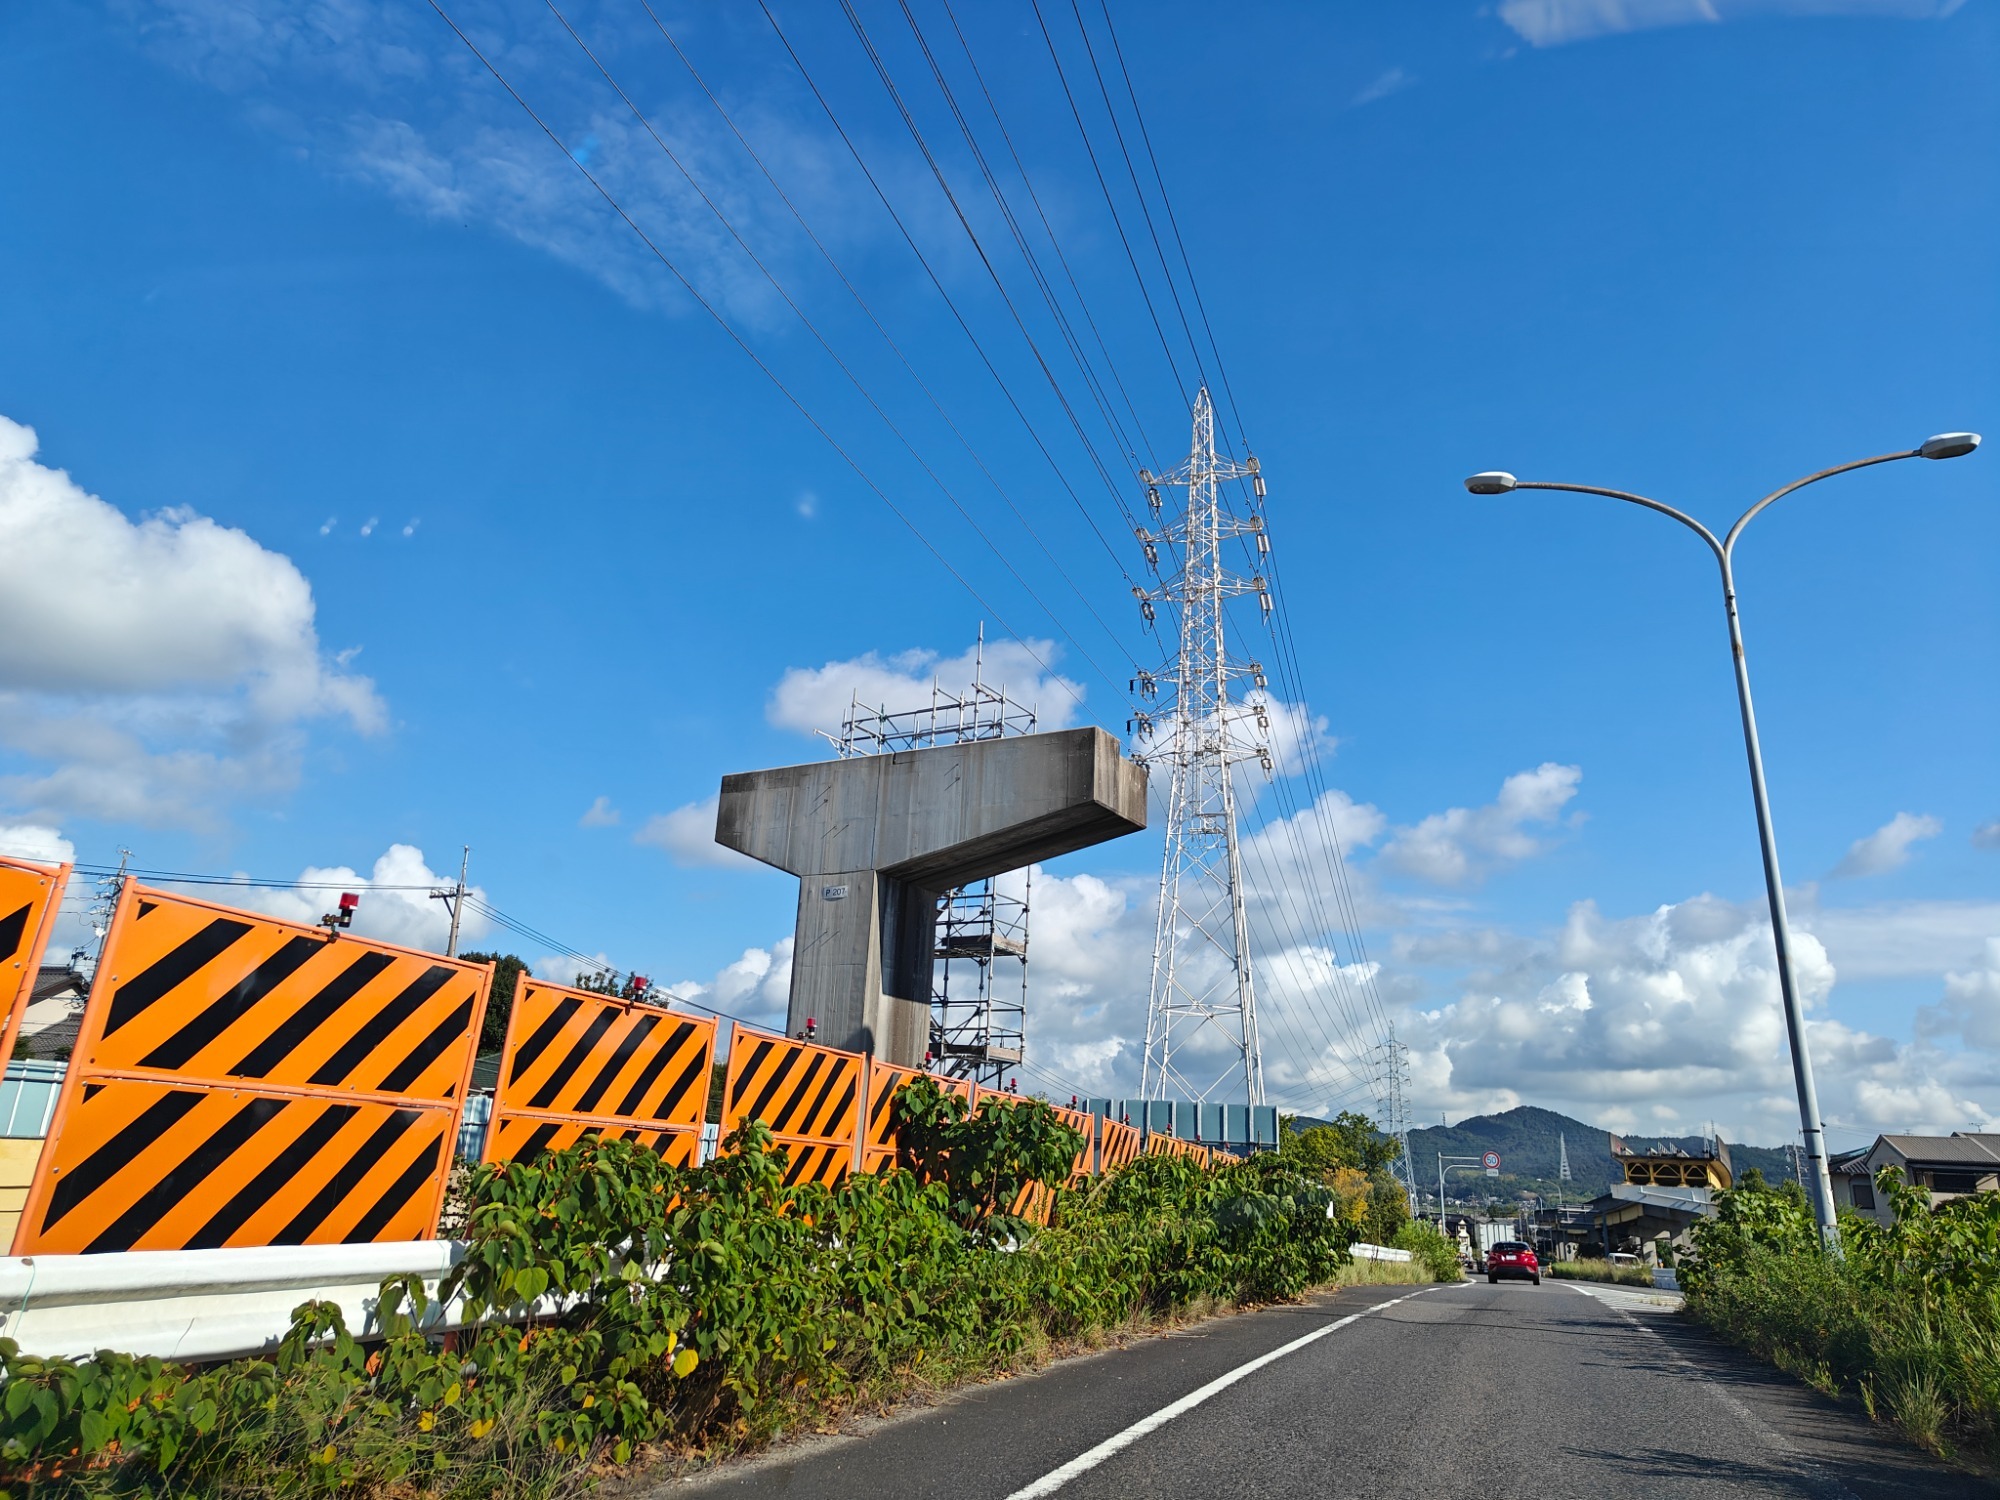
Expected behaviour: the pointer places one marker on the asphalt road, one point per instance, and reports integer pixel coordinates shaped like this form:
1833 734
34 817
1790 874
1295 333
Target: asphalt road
1500 1392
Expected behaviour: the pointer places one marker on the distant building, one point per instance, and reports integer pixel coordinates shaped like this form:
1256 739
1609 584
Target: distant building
1665 1166
54 1016
1949 1166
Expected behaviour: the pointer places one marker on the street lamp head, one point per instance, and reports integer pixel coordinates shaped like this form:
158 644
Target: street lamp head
1495 482
1949 445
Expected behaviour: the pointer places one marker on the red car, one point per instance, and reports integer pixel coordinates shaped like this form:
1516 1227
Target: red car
1513 1259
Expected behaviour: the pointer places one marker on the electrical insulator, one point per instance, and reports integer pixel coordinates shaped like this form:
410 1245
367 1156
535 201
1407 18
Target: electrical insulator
1264 599
1266 759
1257 485
1263 545
1146 609
1257 674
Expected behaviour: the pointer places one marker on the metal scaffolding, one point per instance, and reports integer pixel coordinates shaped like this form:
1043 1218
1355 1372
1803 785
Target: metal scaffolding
1201 728
979 991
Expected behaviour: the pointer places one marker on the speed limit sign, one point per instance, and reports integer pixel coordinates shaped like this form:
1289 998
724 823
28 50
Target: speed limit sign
1491 1161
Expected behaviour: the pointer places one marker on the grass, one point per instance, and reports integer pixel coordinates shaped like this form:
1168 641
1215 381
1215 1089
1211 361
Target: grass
1383 1273
1600 1270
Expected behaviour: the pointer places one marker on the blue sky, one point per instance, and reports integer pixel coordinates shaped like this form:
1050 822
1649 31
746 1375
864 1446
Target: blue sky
469 526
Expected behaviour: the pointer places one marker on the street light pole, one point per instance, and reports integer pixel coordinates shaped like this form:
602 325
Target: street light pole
1944 445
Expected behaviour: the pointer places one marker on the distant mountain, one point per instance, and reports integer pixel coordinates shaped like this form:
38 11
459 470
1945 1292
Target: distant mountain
1529 1141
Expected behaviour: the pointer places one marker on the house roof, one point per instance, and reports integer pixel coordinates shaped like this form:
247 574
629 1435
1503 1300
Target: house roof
52 980
1948 1150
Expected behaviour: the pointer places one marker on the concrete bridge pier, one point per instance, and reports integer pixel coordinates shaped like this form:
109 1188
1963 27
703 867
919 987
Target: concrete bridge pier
877 839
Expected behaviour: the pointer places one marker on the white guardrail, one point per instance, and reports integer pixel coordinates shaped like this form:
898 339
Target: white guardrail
201 1304
1362 1250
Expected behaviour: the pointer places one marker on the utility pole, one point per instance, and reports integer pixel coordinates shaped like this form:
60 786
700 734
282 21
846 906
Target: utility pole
1201 731
454 900
1392 1109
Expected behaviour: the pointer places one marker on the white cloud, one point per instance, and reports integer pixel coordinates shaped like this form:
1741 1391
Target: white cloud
819 699
687 836
381 95
1389 81
153 668
1970 1008
1987 835
1901 939
756 988
1617 1020
396 904
600 814
1887 848
33 841
1552 23
1464 845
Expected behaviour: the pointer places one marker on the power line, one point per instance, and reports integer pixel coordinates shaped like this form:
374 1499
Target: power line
861 302
737 339
845 369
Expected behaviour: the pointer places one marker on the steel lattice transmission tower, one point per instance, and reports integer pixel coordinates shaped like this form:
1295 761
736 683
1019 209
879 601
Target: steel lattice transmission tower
979 993
1203 726
1392 1109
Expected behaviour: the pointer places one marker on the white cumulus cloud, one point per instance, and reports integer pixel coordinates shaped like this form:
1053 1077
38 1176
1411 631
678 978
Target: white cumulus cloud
819 699
1887 848
687 836
396 904
150 669
600 814
36 842
1463 845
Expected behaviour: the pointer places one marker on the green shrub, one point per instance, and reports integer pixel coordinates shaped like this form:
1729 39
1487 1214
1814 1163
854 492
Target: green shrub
1437 1251
695 1307
1908 1318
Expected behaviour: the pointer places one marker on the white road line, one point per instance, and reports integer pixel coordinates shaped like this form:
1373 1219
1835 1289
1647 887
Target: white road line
1803 1464
1083 1463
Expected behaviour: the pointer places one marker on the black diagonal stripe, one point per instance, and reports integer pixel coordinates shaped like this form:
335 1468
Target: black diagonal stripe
147 908
418 1175
341 1067
186 1179
307 1019
636 1095
448 1031
12 929
174 968
801 1157
343 1182
615 1064
542 1136
548 1031
262 1188
840 1109
879 1115
743 1079
96 1169
663 1143
805 1120
697 1068
780 1076
573 1059
197 1032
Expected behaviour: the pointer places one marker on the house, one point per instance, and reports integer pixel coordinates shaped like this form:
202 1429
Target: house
1949 1166
54 1014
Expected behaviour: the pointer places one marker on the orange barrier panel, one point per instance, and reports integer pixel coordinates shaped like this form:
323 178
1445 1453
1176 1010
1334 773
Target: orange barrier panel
240 1080
522 1137
577 1063
1118 1146
809 1095
878 1130
30 896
